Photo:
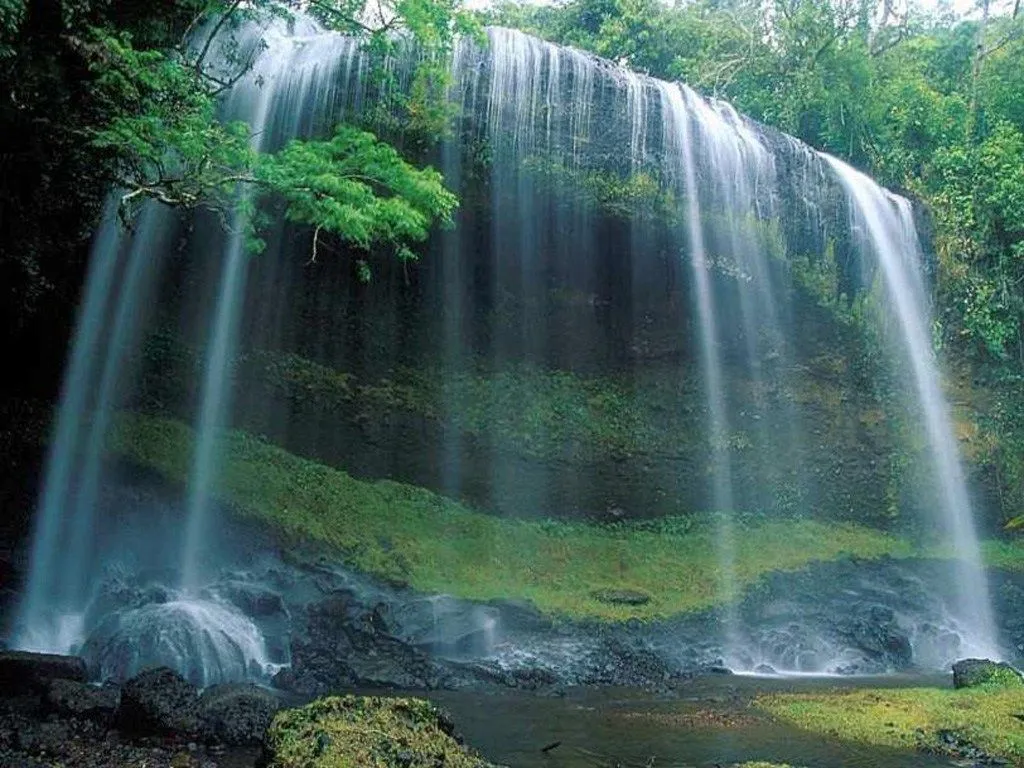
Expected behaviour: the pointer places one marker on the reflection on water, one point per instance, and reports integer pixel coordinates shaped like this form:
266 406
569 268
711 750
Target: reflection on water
711 723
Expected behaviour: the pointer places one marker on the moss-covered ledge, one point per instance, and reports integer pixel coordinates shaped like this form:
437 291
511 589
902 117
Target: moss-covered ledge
409 534
959 723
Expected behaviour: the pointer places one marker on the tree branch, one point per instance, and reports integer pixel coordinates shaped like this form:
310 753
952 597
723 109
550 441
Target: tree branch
316 243
213 34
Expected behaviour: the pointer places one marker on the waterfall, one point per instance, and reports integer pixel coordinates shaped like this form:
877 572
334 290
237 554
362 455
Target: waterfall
288 85
888 224
678 122
108 327
626 225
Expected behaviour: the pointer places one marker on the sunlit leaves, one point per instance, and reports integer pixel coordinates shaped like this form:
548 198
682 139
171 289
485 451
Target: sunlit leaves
161 130
358 188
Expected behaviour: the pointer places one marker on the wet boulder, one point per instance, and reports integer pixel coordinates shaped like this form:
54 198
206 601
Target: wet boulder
70 698
22 671
159 702
237 714
971 673
875 630
440 624
251 598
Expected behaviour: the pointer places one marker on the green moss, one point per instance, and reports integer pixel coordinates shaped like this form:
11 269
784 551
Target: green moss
637 196
434 544
536 412
982 673
910 718
365 732
1008 555
1001 677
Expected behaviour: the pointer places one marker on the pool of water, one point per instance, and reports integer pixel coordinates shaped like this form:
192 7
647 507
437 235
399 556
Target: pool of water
709 723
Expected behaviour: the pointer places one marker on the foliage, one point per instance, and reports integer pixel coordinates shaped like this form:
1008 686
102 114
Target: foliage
366 731
161 108
434 544
101 94
337 186
981 199
636 197
911 718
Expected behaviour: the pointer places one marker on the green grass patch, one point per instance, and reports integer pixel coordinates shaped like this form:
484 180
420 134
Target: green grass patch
910 718
1008 555
409 534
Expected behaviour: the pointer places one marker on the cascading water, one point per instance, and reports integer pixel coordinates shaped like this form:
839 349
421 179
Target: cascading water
677 121
887 223
203 636
116 291
550 270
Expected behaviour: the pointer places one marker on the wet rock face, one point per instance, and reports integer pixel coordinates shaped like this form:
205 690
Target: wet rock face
23 671
971 673
69 698
341 645
851 616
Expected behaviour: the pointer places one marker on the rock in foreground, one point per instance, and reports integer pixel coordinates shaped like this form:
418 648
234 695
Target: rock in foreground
370 732
237 713
159 702
21 670
970 673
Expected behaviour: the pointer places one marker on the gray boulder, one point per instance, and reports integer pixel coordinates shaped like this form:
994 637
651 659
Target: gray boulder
159 702
70 698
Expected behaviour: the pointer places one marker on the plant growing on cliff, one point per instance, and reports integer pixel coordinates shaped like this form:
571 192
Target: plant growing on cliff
154 102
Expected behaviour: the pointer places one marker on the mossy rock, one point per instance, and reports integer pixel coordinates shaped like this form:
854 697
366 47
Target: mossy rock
368 732
973 673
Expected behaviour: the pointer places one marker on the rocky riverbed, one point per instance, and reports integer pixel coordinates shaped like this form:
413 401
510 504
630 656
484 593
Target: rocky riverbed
49 716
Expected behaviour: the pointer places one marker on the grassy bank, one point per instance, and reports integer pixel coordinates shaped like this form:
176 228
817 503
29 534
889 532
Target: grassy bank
913 718
434 544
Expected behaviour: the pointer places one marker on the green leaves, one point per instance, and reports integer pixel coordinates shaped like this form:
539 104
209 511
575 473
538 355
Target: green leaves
159 128
12 12
979 202
357 188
